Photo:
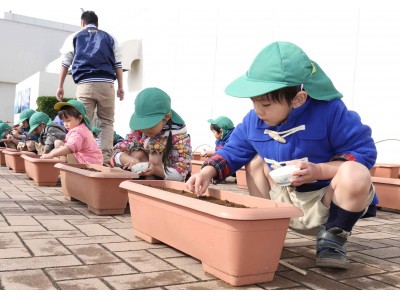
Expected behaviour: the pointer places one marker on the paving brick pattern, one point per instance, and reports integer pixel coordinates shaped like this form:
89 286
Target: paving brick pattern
47 242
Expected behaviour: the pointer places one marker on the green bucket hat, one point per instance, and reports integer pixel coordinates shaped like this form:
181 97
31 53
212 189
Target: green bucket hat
79 106
3 128
151 105
36 119
25 115
224 122
279 65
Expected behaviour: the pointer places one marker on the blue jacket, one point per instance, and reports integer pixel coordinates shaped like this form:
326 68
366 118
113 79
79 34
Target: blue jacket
94 55
331 132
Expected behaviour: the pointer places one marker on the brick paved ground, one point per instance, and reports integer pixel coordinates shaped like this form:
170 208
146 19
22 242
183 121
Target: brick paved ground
47 242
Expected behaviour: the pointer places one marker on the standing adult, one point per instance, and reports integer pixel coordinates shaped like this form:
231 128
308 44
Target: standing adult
96 63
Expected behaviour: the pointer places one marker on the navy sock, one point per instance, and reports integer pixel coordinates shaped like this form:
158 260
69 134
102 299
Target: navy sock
343 219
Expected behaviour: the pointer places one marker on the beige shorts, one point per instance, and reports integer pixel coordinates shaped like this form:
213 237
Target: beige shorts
315 213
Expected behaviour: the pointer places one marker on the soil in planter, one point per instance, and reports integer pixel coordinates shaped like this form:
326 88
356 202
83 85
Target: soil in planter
91 169
203 198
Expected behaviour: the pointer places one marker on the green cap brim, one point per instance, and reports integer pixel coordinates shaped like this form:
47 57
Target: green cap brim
140 123
244 87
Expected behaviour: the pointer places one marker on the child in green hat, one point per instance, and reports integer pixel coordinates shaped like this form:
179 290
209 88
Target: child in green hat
5 129
299 119
159 139
47 131
221 128
19 137
79 140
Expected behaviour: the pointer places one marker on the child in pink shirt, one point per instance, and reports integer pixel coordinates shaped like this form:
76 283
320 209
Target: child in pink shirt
79 140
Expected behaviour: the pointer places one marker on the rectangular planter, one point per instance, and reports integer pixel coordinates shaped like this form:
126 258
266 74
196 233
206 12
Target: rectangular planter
14 161
197 156
2 158
196 165
95 185
388 192
386 170
240 246
241 178
42 171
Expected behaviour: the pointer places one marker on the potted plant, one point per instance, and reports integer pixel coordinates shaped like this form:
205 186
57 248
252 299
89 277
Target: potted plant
238 245
42 171
95 185
14 161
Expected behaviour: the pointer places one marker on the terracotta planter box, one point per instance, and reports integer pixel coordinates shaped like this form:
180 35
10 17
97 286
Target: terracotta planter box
197 156
386 170
2 158
196 165
241 178
95 185
14 161
388 192
240 246
42 171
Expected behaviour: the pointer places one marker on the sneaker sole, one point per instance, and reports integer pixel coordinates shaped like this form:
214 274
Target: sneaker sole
332 263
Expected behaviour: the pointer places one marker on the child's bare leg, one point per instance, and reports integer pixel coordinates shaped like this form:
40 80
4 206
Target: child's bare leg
257 179
10 144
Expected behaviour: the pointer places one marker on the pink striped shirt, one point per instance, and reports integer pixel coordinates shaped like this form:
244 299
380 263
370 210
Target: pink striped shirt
81 142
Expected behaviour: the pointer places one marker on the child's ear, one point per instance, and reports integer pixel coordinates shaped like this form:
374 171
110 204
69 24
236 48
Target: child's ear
299 99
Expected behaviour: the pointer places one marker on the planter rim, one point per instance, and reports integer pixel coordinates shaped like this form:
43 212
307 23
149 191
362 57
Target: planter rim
16 152
36 159
272 209
79 169
386 180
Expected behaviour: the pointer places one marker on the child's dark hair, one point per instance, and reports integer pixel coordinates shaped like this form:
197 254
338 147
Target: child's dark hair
215 127
68 111
287 93
168 148
89 17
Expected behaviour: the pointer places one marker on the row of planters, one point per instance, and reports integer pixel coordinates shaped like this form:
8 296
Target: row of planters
387 184
239 241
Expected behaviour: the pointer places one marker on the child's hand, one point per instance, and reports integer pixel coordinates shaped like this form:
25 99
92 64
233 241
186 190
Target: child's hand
308 173
47 156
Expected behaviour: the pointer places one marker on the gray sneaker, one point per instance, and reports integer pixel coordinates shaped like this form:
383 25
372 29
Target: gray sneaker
331 252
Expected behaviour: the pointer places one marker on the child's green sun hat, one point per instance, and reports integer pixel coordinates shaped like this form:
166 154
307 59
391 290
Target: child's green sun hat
3 128
279 65
224 123
79 106
151 105
25 115
36 119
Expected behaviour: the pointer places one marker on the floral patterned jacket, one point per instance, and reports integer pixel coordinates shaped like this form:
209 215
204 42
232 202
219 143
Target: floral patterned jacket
180 154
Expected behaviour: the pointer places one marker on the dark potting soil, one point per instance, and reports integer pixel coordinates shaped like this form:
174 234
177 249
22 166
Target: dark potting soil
203 198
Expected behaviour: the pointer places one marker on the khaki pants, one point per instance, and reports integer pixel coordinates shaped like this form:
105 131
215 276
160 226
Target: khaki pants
102 96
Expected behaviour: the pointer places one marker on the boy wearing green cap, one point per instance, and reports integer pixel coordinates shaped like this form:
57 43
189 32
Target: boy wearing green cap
79 140
299 118
48 131
19 137
158 136
221 128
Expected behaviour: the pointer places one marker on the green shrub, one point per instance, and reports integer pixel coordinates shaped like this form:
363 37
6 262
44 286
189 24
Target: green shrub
46 104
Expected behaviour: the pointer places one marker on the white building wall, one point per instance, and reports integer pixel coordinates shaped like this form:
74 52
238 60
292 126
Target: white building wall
193 54
28 45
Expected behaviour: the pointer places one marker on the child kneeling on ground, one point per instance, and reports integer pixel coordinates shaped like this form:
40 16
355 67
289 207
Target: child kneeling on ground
158 137
79 140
